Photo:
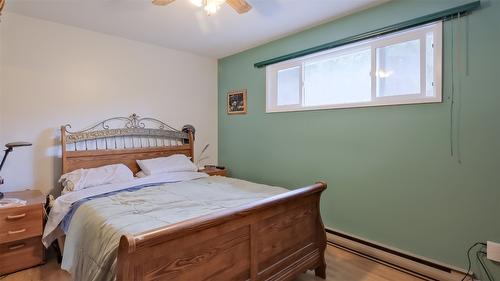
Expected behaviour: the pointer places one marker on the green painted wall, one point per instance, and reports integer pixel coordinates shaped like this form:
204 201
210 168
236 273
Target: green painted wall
390 173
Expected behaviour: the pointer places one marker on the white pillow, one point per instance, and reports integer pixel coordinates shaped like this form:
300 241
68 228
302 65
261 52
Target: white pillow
140 174
174 163
84 178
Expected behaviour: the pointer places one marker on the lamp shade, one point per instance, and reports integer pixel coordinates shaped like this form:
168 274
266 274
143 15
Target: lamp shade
18 144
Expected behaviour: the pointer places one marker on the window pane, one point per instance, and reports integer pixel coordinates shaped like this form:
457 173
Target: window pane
429 65
289 86
398 69
340 79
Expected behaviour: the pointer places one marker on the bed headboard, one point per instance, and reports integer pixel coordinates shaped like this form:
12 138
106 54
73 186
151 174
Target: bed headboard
123 140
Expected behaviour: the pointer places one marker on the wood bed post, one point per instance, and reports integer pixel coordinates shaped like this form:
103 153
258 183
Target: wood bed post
191 145
320 271
63 148
127 245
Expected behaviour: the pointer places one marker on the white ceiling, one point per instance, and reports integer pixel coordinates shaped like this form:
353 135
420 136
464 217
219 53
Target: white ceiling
183 26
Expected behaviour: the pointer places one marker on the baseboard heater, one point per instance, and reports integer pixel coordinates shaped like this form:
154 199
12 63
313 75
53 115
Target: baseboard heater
421 267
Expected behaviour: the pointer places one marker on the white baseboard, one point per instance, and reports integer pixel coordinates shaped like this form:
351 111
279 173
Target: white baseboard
422 267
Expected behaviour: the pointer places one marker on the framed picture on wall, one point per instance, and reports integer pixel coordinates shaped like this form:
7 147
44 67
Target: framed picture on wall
237 102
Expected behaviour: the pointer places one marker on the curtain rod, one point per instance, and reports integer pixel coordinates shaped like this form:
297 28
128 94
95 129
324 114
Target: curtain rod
442 15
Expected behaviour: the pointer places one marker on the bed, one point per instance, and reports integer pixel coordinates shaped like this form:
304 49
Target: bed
253 232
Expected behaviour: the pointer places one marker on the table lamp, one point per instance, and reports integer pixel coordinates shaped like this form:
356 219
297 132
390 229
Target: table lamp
8 149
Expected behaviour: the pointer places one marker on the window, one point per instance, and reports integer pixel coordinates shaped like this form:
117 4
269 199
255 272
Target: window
399 68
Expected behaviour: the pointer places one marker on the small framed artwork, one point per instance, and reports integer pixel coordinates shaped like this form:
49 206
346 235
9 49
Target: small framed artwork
237 102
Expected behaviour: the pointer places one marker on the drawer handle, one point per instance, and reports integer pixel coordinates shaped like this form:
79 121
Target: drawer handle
16 217
12 248
16 231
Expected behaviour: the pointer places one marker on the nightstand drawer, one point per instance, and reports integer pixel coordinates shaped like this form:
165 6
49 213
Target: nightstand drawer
20 223
19 255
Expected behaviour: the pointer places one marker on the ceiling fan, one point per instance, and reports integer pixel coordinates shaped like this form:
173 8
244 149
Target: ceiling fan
212 6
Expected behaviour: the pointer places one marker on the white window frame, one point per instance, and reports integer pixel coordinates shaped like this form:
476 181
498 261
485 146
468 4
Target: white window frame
373 44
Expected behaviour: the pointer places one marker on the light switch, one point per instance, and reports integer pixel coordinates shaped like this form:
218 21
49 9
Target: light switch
493 251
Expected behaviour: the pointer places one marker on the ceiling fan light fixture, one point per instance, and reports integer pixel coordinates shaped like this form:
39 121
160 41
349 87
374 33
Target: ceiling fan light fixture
212 6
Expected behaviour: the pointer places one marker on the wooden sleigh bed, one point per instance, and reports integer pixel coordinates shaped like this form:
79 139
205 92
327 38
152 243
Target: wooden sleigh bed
277 238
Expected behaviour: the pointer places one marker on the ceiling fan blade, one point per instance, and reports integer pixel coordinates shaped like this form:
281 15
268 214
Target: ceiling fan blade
162 2
241 6
2 3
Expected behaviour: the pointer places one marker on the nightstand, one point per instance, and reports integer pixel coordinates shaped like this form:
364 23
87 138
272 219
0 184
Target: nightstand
21 232
212 171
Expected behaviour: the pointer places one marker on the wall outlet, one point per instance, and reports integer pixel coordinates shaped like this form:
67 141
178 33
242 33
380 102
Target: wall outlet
493 251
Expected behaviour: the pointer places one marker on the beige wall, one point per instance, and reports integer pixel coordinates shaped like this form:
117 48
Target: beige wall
53 74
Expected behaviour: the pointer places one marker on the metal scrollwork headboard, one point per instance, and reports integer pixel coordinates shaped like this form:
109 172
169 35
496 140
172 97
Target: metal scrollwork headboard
123 139
133 126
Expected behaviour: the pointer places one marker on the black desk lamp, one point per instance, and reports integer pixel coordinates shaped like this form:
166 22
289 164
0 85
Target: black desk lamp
8 149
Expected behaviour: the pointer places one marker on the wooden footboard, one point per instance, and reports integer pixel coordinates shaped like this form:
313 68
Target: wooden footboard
274 239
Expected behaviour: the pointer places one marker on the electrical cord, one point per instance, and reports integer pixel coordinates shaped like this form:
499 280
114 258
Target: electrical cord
452 96
468 259
490 278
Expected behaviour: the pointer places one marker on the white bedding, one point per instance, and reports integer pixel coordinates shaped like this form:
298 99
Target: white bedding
62 204
85 178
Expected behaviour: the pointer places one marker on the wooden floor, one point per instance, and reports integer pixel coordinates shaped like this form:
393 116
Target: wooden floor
342 266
